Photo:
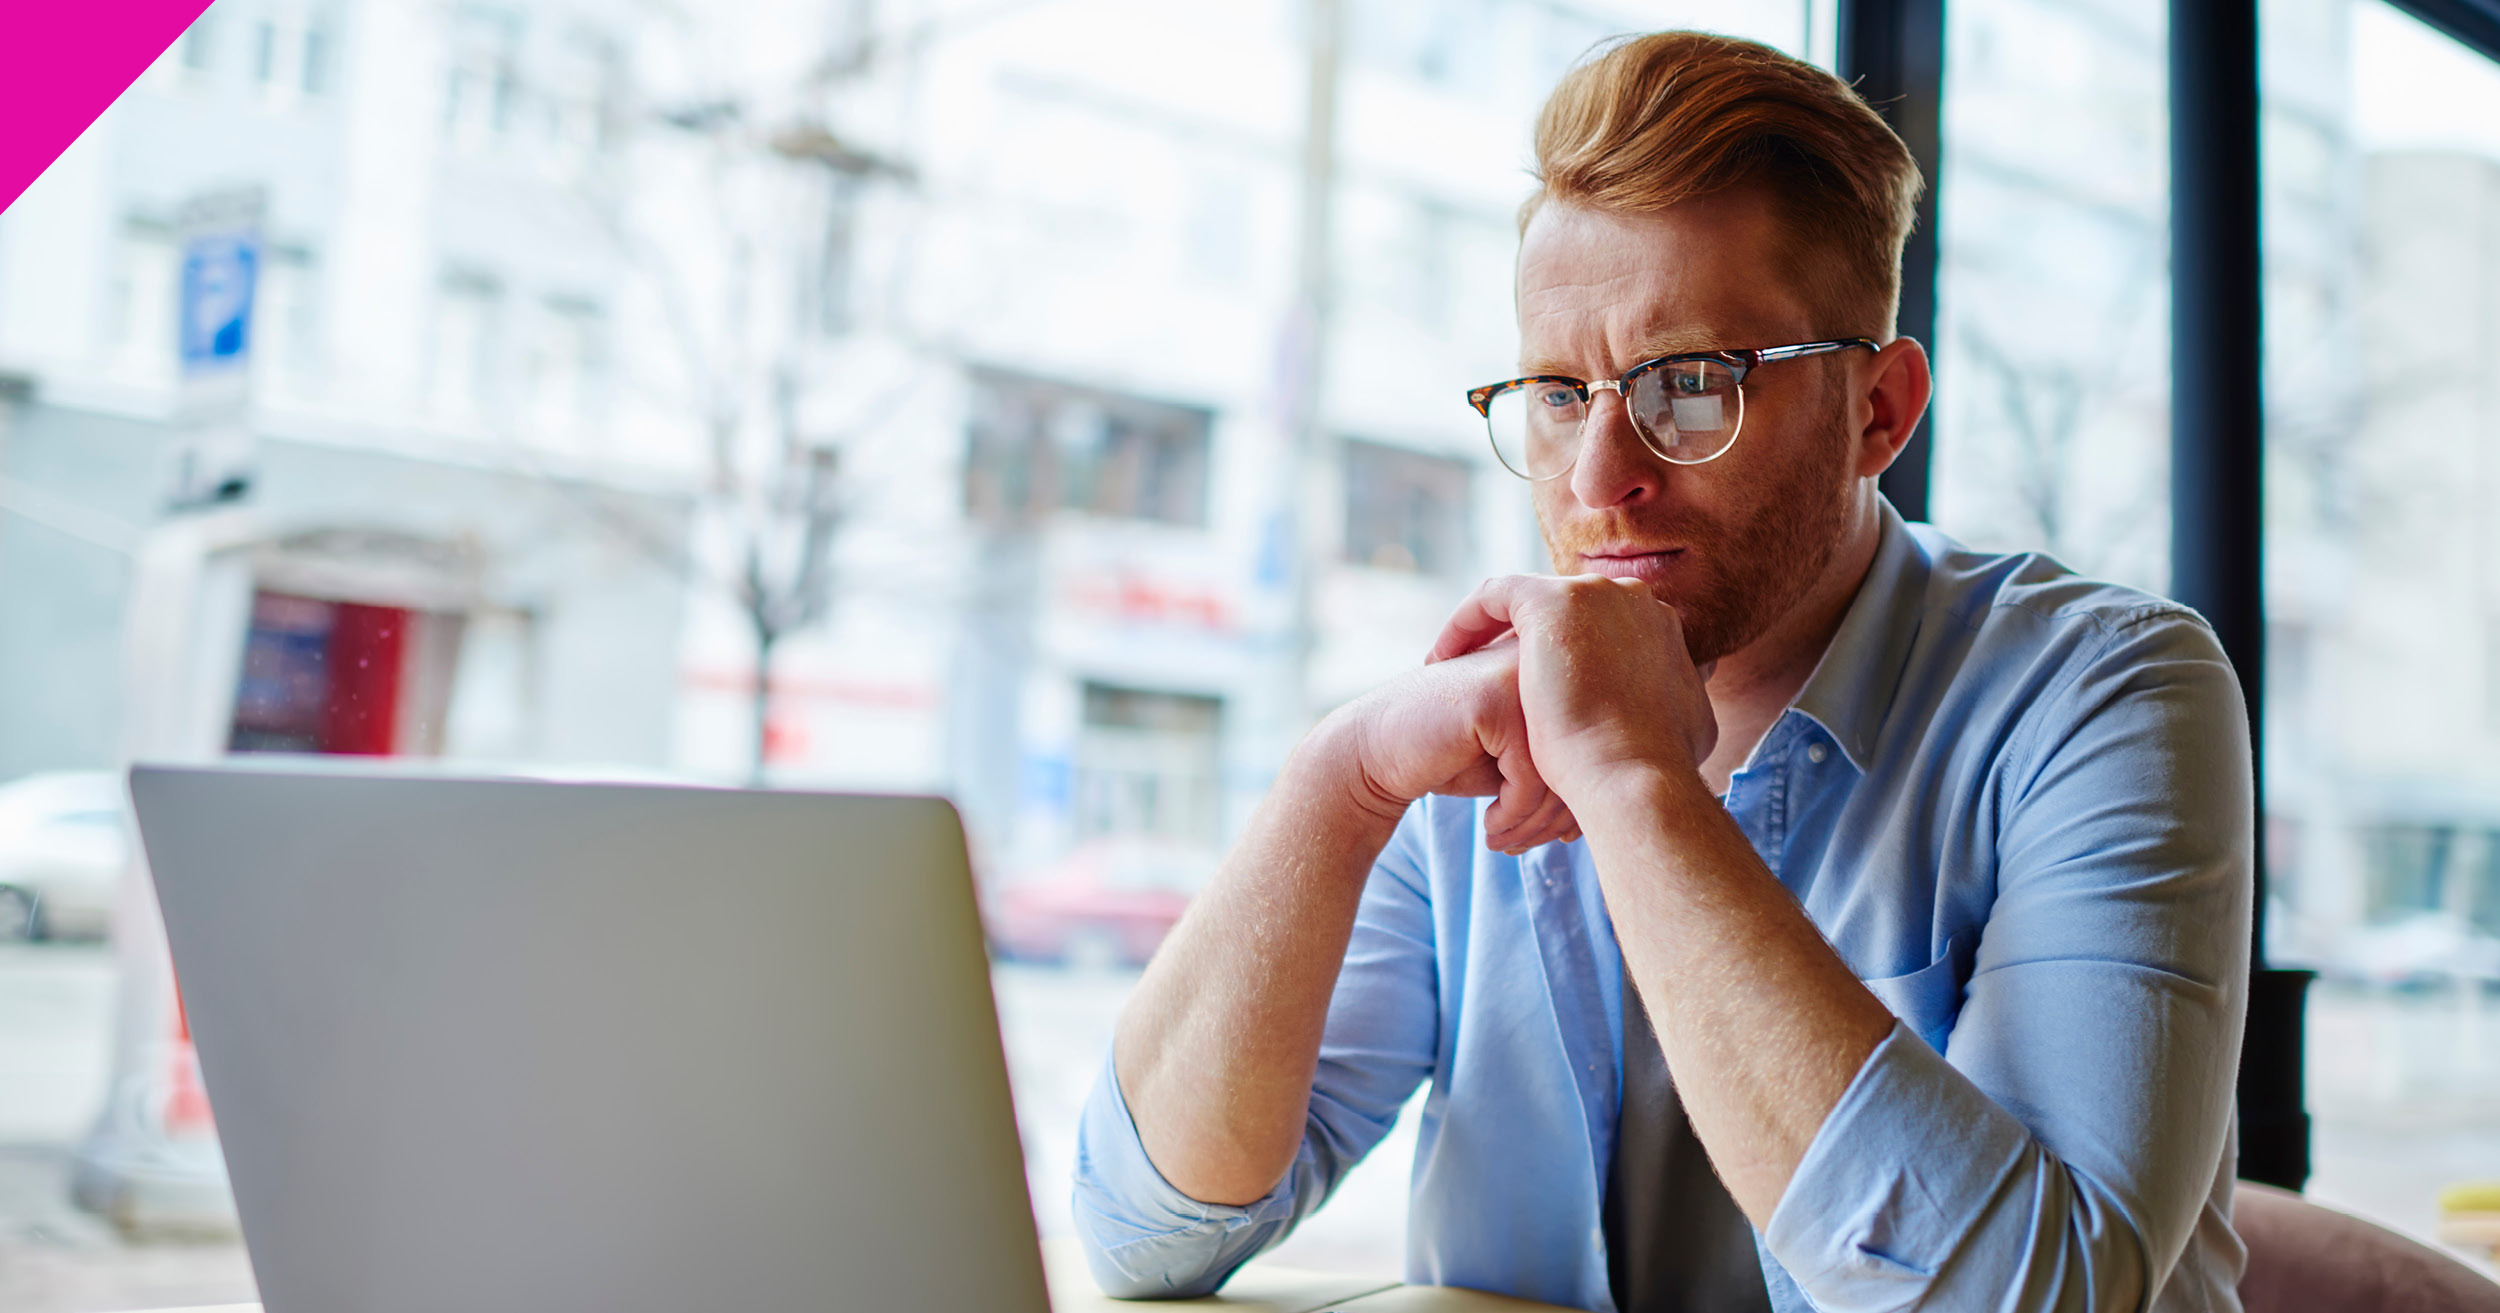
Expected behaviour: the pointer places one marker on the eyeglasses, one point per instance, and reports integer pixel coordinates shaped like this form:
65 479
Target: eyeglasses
1686 408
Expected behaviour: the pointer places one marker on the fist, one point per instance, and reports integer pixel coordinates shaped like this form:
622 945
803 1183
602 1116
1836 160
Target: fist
1604 680
1455 727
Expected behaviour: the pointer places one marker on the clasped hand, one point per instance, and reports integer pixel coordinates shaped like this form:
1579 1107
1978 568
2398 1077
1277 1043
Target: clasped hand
1539 690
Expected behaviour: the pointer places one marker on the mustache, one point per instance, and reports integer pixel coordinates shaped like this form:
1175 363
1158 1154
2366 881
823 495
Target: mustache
1617 526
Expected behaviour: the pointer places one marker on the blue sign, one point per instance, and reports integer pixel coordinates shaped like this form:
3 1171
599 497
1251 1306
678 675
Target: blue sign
219 271
1048 781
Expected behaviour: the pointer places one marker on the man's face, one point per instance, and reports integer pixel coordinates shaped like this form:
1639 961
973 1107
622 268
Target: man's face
1733 544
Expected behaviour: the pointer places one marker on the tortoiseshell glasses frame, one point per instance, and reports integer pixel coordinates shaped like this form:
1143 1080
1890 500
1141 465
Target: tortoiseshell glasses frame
1696 398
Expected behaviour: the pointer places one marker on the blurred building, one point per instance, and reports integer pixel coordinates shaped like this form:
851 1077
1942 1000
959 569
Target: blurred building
427 520
976 352
2052 360
567 306
2388 683
2382 769
1098 571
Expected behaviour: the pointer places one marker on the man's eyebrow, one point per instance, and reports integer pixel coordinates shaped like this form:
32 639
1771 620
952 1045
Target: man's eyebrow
1648 346
1676 342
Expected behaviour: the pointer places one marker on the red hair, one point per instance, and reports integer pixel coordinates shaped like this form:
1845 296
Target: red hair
1655 120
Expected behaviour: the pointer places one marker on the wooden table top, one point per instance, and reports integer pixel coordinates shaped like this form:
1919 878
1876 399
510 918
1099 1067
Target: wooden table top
1257 1288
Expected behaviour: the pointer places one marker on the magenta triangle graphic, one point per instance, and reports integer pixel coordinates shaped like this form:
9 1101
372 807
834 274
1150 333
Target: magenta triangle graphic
62 62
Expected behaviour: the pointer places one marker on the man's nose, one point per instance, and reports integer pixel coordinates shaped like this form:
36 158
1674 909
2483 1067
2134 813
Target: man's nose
1614 466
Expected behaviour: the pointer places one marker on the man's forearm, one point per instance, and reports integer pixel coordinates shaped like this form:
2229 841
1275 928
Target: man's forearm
1761 1022
1218 1045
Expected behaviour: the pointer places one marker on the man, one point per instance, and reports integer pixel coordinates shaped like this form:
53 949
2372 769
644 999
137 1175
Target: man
1857 921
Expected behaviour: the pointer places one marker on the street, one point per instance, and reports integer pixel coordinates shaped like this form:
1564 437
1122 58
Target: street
2405 1086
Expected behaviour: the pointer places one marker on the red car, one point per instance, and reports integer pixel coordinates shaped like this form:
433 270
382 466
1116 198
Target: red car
1107 903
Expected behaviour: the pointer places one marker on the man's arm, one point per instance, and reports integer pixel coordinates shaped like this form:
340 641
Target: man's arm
1217 1047
2061 1151
1144 1238
2062 1157
1761 1021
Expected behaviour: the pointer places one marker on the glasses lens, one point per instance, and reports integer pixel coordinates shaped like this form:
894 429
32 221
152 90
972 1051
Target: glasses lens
1536 427
1689 410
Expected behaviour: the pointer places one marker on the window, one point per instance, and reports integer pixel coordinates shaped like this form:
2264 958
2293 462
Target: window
836 259
2052 407
1146 766
1405 510
1037 445
580 105
313 70
356 678
2431 901
2491 675
286 337
146 283
290 52
1094 266
265 52
494 700
2382 356
565 367
2382 265
320 677
1218 238
468 319
199 46
484 86
1429 267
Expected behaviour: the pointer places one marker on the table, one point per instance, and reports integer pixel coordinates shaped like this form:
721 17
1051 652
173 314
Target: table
1257 1288
1268 1288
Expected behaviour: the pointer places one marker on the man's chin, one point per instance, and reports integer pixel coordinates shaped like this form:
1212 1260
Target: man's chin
1706 622
1715 622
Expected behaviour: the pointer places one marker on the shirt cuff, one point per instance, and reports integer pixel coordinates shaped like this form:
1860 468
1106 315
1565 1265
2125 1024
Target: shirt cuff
1895 1179
1144 1238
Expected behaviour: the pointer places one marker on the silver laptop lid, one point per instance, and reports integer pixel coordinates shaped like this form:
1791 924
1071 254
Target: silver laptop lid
530 1047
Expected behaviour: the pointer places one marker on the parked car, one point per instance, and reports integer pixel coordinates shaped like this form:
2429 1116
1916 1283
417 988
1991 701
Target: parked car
1108 903
63 843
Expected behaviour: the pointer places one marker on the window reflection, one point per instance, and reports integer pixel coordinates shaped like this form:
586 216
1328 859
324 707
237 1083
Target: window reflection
2383 179
2053 365
591 343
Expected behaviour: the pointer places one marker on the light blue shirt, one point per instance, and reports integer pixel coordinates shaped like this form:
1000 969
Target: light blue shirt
2017 802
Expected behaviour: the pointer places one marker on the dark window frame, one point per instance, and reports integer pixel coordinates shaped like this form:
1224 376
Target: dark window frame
1893 51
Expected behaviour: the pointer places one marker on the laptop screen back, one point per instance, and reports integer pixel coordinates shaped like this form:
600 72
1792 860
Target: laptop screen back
531 1047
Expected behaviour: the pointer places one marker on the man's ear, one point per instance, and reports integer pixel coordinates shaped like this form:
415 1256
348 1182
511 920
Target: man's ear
1893 395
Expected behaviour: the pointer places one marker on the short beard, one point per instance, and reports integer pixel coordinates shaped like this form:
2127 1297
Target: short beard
1757 568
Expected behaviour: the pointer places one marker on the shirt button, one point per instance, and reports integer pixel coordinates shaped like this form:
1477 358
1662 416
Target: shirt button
1817 753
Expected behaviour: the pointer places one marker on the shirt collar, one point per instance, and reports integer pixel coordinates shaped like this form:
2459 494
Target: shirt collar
1851 690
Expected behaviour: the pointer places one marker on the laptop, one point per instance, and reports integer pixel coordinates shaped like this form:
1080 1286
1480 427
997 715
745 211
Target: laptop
513 1046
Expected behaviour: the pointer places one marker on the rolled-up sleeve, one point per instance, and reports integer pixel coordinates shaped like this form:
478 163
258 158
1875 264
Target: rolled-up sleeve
1145 1238
2058 1153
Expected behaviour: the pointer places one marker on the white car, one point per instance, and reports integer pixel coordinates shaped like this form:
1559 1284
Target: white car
64 839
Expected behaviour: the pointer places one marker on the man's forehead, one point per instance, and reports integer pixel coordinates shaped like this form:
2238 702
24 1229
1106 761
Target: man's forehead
1632 330
1631 288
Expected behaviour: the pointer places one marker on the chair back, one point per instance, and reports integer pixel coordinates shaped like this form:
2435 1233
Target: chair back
2303 1258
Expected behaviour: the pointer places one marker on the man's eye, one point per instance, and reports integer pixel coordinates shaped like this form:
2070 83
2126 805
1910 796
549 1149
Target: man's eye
1688 382
1556 397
